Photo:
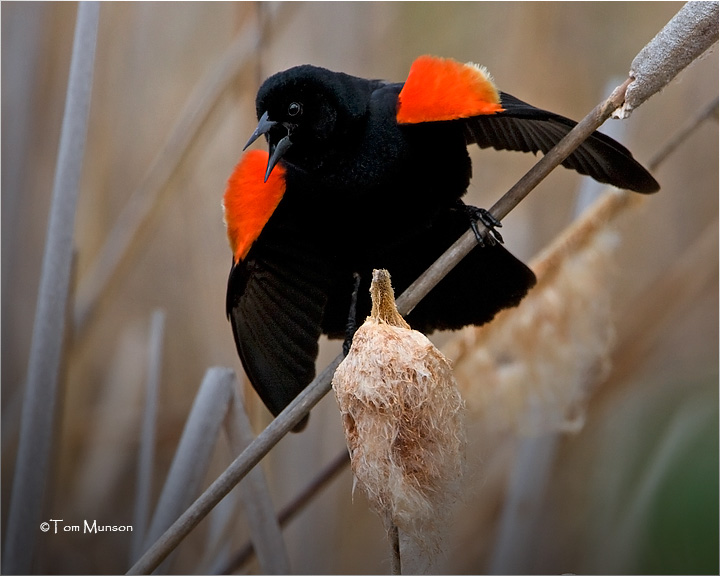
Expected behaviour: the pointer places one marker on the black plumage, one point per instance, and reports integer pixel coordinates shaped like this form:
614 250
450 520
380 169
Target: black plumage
363 192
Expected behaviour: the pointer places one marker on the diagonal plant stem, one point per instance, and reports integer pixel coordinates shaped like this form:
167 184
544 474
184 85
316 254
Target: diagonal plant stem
674 290
604 209
292 509
710 111
264 527
145 197
237 470
315 391
321 385
38 410
144 200
192 456
143 488
427 281
682 40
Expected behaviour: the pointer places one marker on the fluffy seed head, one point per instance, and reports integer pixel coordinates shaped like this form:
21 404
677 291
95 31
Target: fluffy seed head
402 416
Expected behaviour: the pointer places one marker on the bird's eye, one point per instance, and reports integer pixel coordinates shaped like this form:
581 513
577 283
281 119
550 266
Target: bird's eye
294 109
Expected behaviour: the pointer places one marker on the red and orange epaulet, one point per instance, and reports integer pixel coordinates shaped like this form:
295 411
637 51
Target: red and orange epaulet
249 202
440 89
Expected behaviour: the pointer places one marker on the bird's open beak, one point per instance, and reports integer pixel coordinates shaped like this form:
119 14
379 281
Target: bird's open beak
276 150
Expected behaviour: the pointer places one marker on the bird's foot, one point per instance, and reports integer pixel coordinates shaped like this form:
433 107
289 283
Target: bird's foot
489 235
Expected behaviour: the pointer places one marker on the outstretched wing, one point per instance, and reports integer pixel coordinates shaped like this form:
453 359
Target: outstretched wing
275 303
276 291
524 128
440 89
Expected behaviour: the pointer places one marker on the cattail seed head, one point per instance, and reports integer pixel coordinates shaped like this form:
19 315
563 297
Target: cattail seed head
402 416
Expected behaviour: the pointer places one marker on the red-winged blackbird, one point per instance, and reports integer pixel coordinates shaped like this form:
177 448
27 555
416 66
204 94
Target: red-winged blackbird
365 174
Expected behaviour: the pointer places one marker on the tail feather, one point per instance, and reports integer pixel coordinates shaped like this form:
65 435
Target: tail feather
486 281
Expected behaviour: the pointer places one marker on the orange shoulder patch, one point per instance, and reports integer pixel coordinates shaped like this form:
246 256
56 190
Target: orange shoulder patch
444 89
249 202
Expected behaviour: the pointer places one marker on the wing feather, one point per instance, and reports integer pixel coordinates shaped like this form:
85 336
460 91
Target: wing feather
524 128
276 300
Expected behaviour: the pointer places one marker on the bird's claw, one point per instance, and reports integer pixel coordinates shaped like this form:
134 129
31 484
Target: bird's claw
489 235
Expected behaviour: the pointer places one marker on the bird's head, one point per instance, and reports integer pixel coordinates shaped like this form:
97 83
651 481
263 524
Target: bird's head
305 111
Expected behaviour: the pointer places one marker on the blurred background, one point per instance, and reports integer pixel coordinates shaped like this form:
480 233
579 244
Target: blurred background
633 490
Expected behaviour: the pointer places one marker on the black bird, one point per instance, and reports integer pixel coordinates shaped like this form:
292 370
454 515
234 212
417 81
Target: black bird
365 174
